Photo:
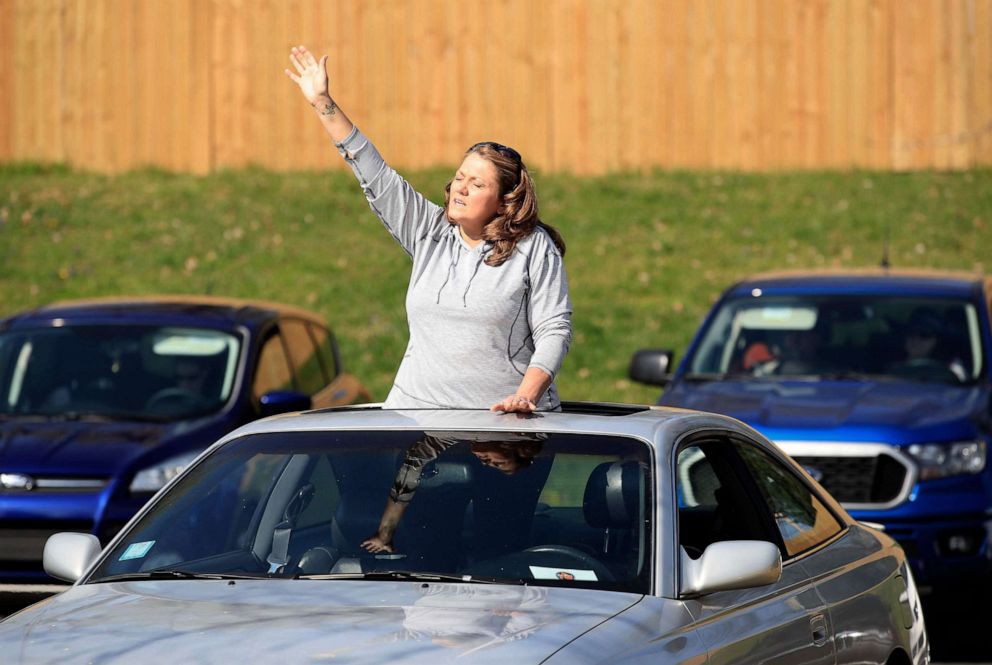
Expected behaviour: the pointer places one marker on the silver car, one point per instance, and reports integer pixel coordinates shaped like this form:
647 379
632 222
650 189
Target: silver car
602 533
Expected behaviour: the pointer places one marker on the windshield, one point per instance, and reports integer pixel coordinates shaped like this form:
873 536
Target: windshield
116 371
536 509
920 339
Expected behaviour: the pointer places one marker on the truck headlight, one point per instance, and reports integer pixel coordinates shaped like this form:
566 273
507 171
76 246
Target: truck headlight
155 477
939 460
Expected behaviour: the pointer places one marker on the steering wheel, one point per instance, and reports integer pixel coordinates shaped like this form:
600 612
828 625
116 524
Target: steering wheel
925 368
581 559
172 397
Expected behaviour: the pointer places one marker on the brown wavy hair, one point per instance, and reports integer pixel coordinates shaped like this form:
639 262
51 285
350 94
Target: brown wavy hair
516 217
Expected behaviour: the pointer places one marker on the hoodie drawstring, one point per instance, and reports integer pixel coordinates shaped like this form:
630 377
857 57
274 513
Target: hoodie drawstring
453 265
482 256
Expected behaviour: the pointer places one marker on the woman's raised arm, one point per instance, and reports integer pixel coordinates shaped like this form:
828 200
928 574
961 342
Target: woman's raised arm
311 76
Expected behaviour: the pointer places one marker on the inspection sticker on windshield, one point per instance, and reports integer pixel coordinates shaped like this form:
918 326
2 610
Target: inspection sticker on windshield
136 550
564 574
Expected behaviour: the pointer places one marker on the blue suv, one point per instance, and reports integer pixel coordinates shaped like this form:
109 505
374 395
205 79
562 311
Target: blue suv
877 382
102 402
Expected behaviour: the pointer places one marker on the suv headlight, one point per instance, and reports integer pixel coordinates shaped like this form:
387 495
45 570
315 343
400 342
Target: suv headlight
155 477
939 460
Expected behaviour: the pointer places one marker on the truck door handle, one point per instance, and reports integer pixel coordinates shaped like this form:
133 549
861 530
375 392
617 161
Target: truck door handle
818 626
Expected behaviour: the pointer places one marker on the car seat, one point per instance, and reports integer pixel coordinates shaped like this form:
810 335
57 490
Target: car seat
503 508
430 533
612 502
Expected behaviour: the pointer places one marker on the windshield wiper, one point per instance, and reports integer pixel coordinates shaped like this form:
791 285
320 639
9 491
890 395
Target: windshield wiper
133 416
406 575
723 376
707 376
176 575
92 416
853 376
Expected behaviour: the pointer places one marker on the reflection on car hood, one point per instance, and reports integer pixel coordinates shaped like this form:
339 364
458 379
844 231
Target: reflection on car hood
74 447
305 621
830 404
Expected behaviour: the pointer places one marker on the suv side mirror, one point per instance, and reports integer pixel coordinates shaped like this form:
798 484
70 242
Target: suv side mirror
283 401
730 564
68 555
651 366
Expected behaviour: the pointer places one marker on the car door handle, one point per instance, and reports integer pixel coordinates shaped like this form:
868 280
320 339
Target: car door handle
818 626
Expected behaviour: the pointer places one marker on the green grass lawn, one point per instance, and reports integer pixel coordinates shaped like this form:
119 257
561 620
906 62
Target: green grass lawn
647 252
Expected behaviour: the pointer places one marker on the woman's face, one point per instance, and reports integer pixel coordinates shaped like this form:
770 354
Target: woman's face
474 197
498 459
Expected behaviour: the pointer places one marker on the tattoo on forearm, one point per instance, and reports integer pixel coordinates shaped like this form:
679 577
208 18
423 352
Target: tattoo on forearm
327 108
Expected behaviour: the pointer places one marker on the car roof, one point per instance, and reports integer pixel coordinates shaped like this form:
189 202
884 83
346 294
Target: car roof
645 422
874 280
220 310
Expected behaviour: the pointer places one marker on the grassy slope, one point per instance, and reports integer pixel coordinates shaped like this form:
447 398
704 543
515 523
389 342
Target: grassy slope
647 253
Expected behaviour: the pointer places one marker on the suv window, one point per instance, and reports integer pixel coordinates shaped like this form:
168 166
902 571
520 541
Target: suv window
119 370
273 371
325 348
303 355
802 519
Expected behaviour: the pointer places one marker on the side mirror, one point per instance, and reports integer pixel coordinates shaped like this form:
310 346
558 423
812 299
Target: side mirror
730 564
651 366
68 555
283 401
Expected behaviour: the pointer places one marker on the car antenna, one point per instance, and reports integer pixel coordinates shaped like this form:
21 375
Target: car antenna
884 263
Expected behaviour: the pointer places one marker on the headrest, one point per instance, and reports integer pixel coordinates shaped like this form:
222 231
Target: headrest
612 495
437 474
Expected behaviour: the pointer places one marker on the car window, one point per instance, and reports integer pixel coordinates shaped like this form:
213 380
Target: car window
915 338
273 370
801 518
303 355
325 349
538 508
715 503
118 371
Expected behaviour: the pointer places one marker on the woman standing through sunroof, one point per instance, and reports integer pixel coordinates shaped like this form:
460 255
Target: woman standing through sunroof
487 303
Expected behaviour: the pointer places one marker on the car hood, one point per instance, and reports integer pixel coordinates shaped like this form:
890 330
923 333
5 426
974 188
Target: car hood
297 621
73 448
895 405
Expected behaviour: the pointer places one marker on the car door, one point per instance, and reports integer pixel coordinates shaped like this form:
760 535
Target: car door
865 592
718 499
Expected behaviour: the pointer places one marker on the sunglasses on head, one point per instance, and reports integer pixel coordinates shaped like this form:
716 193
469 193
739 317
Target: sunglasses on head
504 150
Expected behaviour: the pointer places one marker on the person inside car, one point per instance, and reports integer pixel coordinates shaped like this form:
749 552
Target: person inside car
923 346
506 453
487 304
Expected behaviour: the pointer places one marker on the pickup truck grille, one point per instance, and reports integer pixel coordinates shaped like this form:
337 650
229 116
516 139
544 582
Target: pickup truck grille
859 476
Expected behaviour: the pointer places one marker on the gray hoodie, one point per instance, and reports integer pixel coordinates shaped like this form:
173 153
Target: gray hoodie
474 328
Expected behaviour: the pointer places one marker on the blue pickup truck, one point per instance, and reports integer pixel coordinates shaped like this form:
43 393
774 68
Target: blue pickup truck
877 382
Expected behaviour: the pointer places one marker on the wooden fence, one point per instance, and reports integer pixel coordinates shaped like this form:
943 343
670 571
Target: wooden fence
586 86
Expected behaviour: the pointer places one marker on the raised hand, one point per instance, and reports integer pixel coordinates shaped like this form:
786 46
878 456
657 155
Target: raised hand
311 76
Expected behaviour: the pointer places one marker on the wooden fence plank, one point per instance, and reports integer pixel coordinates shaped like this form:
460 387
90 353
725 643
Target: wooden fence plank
837 148
961 38
980 125
7 77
